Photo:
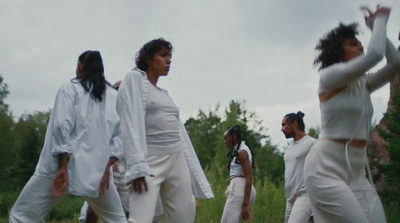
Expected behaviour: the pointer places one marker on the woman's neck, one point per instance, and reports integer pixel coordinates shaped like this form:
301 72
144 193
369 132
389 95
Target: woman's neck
152 77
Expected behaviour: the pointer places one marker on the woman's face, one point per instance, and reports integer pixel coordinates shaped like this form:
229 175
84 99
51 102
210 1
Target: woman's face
161 62
351 48
229 140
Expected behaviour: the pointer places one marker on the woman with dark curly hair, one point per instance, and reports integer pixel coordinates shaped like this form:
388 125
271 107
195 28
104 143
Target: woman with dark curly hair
159 157
82 142
335 167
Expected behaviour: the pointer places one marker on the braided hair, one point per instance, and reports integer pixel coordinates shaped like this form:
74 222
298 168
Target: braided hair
240 136
298 117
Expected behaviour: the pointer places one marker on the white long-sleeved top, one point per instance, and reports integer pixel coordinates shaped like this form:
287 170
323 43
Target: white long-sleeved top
88 131
347 115
295 157
131 106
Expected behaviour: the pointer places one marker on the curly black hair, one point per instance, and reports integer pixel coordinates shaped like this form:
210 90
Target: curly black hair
330 46
148 51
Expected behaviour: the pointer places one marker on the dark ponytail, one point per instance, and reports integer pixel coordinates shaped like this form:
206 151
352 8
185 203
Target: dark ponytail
92 74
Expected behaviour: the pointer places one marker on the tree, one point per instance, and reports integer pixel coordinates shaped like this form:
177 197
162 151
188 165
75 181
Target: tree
314 132
8 150
391 136
31 129
206 133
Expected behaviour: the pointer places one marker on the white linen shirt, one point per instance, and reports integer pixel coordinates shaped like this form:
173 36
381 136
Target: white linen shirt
88 131
131 106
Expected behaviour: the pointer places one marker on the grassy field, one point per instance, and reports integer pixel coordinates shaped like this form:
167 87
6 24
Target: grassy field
269 205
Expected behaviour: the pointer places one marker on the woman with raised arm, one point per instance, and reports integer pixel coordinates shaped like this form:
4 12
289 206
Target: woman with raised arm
241 193
335 167
82 141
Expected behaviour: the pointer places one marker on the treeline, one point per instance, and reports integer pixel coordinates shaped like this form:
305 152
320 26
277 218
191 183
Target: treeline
20 143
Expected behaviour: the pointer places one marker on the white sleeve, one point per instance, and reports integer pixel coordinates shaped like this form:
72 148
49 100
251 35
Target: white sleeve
388 72
64 120
340 74
130 110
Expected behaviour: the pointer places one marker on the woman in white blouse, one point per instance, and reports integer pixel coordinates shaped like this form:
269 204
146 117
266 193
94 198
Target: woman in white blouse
159 157
82 141
335 167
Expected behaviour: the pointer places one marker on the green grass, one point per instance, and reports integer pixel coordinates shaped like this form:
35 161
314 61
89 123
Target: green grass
268 207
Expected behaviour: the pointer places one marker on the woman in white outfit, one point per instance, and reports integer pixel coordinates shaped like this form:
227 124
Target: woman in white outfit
82 141
335 167
159 157
241 193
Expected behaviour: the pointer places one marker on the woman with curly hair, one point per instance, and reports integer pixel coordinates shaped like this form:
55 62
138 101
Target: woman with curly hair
159 157
335 167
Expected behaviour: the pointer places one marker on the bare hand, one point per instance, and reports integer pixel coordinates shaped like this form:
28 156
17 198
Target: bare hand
59 184
105 182
246 213
138 185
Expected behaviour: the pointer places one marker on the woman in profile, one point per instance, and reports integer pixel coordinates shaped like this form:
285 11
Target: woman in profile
82 141
241 193
335 167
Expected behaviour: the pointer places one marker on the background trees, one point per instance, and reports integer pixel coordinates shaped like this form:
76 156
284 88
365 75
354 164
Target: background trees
207 130
390 170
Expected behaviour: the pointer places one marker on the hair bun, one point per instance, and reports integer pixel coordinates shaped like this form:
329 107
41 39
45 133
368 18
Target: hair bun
300 114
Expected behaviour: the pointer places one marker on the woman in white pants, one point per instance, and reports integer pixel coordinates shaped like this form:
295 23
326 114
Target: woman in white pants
335 167
241 193
159 157
82 141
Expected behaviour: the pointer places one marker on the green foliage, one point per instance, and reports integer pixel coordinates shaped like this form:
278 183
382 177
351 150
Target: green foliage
391 170
314 132
3 94
66 209
204 132
269 205
8 138
31 129
270 164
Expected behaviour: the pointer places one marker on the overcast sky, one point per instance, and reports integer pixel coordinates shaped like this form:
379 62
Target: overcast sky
257 52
